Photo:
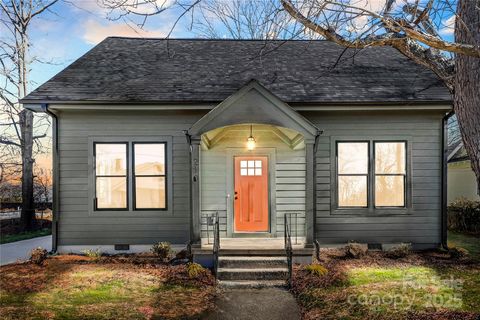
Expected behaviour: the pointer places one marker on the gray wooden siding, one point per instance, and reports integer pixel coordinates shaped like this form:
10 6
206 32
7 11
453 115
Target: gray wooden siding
289 177
79 227
421 224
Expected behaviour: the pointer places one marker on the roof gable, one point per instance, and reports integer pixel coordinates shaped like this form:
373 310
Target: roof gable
253 103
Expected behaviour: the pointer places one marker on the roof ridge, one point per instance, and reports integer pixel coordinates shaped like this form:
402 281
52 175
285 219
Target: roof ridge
217 39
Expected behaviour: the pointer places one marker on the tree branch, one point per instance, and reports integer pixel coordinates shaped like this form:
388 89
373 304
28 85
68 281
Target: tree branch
434 61
380 40
9 143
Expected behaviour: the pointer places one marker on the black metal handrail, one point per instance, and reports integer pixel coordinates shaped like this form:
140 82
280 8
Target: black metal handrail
288 249
216 243
293 219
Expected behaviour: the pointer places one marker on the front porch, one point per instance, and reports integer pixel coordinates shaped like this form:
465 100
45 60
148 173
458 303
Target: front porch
252 169
252 163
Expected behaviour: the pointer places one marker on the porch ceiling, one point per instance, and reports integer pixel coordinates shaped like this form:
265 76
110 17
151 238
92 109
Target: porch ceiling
291 138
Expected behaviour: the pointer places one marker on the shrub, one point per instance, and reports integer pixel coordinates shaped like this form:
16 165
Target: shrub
191 274
304 279
464 215
95 254
38 255
194 270
355 250
316 269
162 249
458 253
400 251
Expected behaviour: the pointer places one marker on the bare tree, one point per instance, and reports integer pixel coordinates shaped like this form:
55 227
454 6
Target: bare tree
245 19
415 29
17 135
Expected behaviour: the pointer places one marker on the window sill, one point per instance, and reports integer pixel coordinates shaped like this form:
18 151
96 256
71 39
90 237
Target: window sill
372 212
131 213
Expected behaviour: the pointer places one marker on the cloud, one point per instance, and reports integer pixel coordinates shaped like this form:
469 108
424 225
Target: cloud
94 31
360 23
449 26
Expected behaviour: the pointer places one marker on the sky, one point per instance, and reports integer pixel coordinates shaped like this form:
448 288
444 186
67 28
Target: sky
72 28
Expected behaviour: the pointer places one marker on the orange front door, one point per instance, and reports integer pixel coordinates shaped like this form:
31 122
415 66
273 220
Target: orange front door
251 194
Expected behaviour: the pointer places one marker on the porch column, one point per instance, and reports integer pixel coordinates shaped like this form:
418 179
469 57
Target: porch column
310 197
195 189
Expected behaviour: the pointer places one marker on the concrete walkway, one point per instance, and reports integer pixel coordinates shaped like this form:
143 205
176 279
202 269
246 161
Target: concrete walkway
246 304
20 250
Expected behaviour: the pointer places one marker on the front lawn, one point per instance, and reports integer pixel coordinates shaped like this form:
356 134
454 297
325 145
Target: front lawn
7 238
466 241
76 287
12 230
426 285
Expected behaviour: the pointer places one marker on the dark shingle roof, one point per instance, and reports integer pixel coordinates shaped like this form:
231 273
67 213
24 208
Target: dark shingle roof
155 70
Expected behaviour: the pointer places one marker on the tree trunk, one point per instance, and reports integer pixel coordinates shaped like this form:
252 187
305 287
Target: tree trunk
467 81
28 208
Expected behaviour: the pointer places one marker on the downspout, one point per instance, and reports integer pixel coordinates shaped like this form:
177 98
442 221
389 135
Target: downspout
55 173
315 148
189 141
443 230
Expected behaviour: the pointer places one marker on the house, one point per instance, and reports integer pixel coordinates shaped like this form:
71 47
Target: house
155 138
462 182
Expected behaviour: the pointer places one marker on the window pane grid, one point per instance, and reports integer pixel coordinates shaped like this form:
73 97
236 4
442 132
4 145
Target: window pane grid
111 158
149 184
356 163
250 167
390 174
353 174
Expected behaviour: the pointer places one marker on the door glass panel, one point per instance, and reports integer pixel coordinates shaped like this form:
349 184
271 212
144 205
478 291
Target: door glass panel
251 171
243 172
258 163
251 163
258 172
243 164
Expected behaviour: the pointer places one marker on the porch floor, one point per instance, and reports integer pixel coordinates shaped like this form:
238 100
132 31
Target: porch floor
253 243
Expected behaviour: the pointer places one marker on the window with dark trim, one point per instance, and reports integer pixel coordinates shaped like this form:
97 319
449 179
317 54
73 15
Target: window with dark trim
390 173
149 175
386 164
352 174
111 176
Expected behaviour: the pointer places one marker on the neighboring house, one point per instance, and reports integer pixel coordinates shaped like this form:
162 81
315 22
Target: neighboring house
462 182
151 142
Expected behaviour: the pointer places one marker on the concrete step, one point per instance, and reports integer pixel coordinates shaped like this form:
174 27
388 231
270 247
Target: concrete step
264 252
252 284
252 273
261 262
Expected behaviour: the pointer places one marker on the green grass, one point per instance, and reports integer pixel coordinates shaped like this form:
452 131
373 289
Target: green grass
95 291
387 289
410 288
471 243
24 235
